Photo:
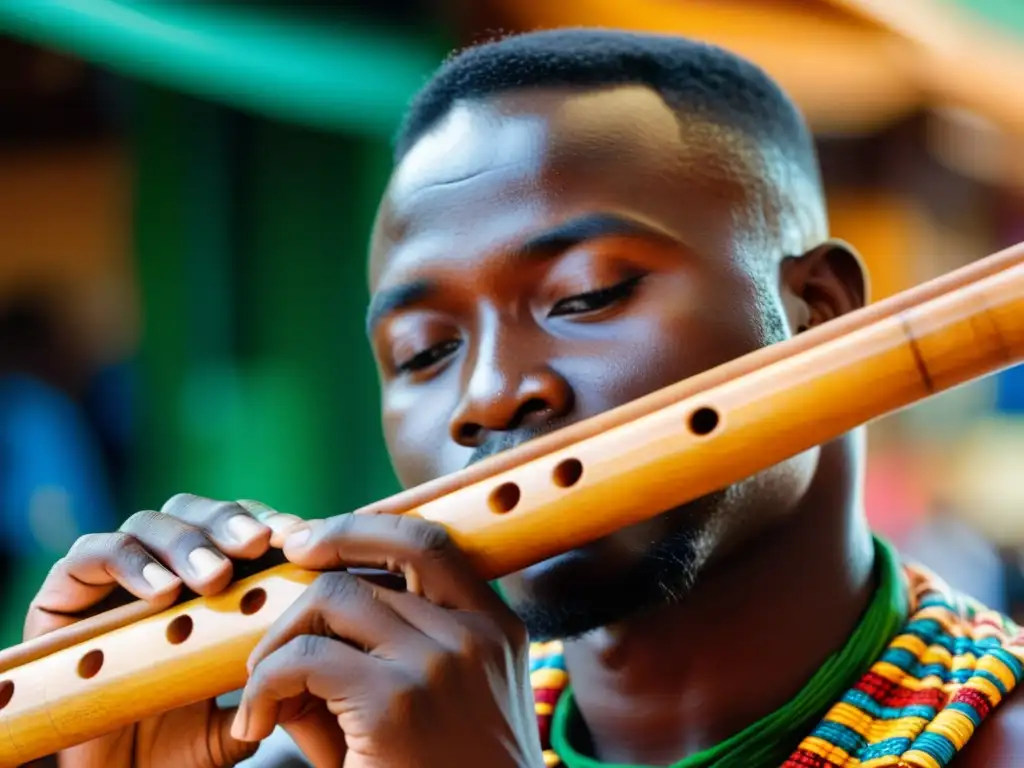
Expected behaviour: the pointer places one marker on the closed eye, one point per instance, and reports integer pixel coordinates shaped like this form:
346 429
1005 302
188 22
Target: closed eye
429 357
595 300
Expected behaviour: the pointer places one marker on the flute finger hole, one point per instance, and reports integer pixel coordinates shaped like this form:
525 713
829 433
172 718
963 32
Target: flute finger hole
6 693
568 473
90 664
178 631
253 600
704 421
505 497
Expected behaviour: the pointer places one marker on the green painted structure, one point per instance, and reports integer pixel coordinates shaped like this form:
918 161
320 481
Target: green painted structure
261 144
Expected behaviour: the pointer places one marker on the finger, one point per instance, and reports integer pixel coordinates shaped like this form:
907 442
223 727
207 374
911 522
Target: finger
458 631
326 668
422 551
318 736
95 566
227 750
227 524
183 548
339 605
208 746
278 522
478 636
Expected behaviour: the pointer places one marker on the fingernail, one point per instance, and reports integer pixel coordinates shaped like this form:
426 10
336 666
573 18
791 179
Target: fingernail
257 509
205 562
297 538
281 525
239 726
276 521
158 577
244 529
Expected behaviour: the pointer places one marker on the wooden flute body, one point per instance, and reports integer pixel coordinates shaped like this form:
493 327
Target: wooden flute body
545 505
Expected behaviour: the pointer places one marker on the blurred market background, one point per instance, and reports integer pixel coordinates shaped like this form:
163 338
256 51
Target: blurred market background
186 190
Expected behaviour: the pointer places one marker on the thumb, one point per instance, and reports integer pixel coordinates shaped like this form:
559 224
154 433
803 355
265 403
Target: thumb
225 749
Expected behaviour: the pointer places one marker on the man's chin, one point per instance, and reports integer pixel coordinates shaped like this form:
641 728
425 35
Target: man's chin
573 573
601 584
562 566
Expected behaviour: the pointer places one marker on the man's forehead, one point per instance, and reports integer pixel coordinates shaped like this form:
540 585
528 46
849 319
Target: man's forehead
487 155
529 129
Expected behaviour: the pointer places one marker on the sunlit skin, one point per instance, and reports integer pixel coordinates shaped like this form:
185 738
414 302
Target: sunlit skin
500 342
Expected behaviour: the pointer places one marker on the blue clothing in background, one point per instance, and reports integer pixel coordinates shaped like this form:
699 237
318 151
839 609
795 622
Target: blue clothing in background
53 483
1010 390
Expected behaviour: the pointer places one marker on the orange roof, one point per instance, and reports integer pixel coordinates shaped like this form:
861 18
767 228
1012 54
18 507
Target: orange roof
852 65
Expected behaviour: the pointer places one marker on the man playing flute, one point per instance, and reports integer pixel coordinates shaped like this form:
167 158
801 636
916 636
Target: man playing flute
576 219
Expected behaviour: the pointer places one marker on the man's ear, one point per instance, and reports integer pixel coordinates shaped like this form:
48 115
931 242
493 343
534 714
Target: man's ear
823 284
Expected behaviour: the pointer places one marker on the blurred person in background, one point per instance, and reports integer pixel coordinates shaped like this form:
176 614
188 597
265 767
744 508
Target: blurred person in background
981 490
1013 560
54 481
961 555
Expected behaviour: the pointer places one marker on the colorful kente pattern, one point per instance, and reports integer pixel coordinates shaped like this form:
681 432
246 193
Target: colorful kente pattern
952 663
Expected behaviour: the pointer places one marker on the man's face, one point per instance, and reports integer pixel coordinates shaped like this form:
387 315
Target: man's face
541 258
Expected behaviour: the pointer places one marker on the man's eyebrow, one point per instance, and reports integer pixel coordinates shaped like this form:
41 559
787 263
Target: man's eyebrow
590 226
558 238
390 300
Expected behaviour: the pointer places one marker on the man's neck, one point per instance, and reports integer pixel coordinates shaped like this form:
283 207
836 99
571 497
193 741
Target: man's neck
745 642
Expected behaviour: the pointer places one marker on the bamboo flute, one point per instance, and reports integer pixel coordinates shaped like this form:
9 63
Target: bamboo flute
430 491
621 467
435 489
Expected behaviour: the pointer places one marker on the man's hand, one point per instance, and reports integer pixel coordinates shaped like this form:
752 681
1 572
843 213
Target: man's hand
370 677
191 542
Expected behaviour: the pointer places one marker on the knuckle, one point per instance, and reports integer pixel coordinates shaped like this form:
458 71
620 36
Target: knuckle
197 510
433 539
188 538
299 653
166 532
142 522
135 519
103 547
340 526
207 513
119 545
217 510
306 648
178 504
262 678
335 587
90 543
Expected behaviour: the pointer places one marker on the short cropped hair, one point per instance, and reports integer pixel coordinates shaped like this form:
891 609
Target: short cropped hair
693 77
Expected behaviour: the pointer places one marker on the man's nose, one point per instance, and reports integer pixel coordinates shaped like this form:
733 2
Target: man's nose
499 403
